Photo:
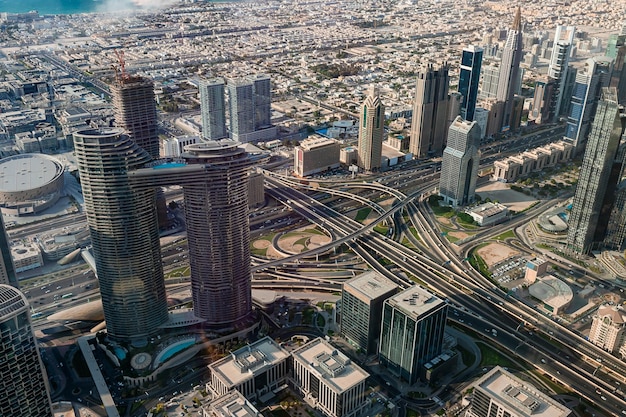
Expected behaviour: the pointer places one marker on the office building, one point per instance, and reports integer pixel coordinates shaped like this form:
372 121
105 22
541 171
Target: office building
615 237
315 154
481 117
371 132
253 370
135 111
559 65
7 269
412 332
232 404
500 393
213 109
616 49
599 172
23 381
469 77
489 75
509 77
584 100
542 108
328 380
124 233
362 300
430 111
250 109
459 165
608 328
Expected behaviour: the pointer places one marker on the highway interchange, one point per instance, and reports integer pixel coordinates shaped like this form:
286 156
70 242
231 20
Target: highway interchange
522 331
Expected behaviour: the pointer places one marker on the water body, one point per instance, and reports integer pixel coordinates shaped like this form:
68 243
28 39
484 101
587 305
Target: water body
68 6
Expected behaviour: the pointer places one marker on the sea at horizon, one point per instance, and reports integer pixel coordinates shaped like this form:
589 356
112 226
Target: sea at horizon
75 6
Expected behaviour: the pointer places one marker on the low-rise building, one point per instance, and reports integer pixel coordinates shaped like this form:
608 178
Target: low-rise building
499 393
26 256
229 405
328 380
254 370
513 167
488 214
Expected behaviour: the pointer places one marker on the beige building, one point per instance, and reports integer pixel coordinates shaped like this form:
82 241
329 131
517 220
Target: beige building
230 404
371 132
608 328
254 370
315 154
488 214
511 168
328 380
499 393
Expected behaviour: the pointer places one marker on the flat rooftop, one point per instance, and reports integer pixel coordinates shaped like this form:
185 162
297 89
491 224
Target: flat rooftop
416 301
370 284
329 365
518 396
234 404
249 361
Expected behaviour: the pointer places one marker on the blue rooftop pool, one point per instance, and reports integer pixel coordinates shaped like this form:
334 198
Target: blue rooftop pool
172 350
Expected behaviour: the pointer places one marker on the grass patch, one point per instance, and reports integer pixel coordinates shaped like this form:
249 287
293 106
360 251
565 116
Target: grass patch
136 406
479 264
362 214
506 235
412 413
321 321
382 229
413 231
467 356
258 252
315 232
452 239
493 357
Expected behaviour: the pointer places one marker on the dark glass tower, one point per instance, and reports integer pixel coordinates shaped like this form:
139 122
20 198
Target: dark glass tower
469 77
7 270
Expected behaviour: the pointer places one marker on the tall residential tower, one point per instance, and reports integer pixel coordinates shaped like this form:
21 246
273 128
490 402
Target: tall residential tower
559 64
510 76
430 111
371 132
213 109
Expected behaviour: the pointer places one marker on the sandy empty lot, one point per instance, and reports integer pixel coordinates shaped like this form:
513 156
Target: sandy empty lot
496 252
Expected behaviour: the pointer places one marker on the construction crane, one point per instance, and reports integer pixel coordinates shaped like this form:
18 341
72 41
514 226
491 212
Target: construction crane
120 69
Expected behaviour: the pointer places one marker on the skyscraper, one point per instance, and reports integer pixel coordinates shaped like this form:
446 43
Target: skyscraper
362 300
616 49
124 233
559 64
585 98
469 77
490 75
595 174
213 109
411 332
510 76
135 111
542 107
250 108
430 110
371 132
216 215
24 384
459 166
7 269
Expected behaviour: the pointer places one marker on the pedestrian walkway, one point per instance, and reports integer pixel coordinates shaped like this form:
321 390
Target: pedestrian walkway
98 379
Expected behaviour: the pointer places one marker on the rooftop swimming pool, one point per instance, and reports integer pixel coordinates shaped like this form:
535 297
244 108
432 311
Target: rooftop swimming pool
173 349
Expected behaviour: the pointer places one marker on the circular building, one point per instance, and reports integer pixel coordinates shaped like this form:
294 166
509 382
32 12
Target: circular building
29 183
553 293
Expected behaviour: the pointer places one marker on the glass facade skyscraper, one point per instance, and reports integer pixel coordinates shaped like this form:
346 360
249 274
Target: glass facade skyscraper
23 382
459 165
124 233
412 332
510 77
597 173
213 109
469 77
